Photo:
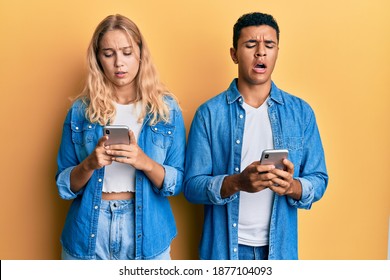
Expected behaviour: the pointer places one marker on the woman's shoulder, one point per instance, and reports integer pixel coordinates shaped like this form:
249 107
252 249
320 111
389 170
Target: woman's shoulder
78 108
171 102
79 103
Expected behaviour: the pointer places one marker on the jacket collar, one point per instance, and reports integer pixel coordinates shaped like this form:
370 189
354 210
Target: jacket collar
232 94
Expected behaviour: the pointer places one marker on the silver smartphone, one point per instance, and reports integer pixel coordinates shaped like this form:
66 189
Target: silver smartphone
117 134
274 157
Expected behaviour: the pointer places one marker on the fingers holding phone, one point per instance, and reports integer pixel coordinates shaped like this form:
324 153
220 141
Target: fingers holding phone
284 169
255 177
282 182
123 148
118 140
98 158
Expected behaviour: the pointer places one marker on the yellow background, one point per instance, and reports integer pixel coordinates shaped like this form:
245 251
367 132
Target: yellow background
334 54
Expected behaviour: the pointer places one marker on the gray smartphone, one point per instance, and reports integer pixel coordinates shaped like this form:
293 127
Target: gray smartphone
117 134
274 157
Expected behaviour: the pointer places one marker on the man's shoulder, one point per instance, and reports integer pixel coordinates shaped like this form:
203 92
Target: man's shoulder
217 102
216 99
290 100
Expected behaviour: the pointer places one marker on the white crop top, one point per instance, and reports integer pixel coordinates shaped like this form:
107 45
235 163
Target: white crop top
120 177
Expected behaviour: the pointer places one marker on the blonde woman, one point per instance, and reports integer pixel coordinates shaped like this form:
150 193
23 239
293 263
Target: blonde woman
120 207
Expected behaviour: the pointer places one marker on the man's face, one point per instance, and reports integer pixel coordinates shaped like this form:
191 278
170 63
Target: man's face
256 54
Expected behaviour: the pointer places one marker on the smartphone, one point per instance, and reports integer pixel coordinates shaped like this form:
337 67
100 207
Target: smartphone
274 157
117 134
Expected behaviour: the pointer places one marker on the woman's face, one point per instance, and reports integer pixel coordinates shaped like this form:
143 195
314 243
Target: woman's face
119 57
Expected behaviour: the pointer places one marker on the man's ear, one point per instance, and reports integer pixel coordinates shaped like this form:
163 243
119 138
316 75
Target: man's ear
233 55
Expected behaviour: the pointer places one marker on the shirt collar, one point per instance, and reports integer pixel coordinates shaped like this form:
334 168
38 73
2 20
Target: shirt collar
233 94
276 94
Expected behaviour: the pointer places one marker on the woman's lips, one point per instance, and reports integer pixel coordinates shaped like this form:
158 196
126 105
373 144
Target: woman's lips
120 74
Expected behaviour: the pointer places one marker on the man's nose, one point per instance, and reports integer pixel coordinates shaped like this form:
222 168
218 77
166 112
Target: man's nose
260 51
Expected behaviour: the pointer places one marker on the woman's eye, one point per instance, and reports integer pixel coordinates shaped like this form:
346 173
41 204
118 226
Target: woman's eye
108 54
127 53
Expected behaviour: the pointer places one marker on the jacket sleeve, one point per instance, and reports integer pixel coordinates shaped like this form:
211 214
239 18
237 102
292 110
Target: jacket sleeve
312 173
174 161
66 161
200 186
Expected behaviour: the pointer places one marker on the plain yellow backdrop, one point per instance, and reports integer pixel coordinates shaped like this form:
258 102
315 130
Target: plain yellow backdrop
334 54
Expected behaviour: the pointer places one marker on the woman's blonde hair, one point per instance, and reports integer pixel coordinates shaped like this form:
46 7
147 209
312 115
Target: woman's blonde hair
99 93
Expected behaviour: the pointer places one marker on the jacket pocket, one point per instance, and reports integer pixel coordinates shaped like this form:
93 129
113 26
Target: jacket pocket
162 135
82 133
295 148
294 143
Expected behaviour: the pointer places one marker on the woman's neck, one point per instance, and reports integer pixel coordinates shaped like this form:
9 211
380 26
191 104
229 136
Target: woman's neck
125 95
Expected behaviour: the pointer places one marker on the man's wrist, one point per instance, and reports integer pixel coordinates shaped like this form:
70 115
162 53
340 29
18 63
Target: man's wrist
296 190
230 185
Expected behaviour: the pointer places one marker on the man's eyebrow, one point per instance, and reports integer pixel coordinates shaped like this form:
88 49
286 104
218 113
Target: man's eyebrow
251 41
255 41
269 42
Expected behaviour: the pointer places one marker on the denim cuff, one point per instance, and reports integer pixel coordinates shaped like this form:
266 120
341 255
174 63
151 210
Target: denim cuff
307 195
63 184
214 191
170 182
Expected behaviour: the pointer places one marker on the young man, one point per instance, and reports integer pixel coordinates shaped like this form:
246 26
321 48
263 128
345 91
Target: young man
251 209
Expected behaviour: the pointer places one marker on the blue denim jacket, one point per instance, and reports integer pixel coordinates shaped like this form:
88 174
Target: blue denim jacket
214 151
155 226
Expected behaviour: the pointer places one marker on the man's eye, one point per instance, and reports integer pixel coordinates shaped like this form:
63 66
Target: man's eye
269 46
250 46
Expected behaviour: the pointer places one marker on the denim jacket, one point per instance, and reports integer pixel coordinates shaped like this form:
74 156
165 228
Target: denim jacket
214 151
155 226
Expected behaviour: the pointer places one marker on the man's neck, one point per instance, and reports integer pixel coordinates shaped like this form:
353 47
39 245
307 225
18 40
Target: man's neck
254 95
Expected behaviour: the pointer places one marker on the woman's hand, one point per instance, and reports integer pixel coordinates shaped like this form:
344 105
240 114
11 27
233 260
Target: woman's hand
130 154
96 160
133 155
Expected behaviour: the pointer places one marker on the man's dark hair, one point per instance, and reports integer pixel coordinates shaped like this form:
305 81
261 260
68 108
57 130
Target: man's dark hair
253 19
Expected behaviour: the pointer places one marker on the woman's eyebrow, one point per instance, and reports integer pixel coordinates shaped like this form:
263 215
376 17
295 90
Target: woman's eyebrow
111 49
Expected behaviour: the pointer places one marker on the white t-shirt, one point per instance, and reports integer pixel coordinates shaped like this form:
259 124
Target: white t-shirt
255 208
120 177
